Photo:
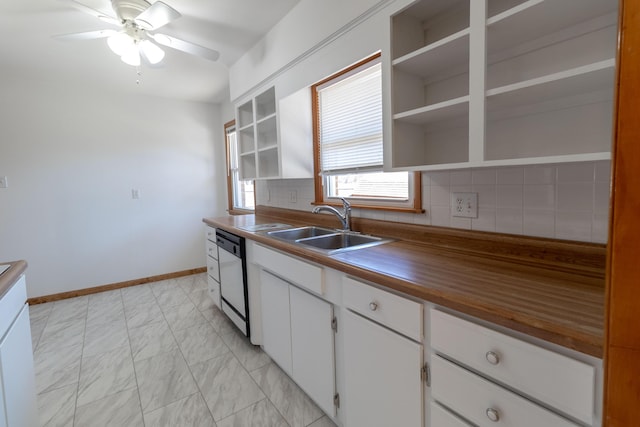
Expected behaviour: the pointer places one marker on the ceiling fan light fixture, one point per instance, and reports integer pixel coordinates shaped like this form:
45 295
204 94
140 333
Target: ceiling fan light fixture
151 52
131 56
120 43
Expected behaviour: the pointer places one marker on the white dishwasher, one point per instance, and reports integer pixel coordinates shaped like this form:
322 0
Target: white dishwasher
233 279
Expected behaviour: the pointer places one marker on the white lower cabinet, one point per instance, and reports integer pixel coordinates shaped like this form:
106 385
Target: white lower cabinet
383 383
297 334
441 417
213 266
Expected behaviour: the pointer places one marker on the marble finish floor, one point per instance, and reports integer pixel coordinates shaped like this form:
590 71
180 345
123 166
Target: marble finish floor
159 354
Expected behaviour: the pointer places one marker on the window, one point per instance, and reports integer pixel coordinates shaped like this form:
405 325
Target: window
348 143
241 193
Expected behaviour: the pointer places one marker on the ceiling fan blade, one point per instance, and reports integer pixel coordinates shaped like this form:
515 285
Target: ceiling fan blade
187 47
94 12
156 16
87 35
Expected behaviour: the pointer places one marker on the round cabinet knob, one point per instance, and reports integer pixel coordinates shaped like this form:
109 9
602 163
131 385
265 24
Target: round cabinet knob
492 357
373 306
493 415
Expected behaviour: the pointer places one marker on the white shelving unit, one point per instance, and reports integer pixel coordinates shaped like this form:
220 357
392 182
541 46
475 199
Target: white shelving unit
501 82
275 142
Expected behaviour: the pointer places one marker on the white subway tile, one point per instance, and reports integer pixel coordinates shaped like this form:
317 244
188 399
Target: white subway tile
509 196
462 223
576 172
540 175
461 177
486 195
603 171
574 226
439 195
484 176
426 179
600 228
601 197
511 176
440 216
539 222
486 220
539 196
509 220
440 178
575 196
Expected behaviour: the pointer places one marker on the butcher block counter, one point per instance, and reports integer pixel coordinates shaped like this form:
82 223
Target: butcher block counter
549 289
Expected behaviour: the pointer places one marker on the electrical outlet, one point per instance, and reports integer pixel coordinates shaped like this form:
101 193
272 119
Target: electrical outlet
293 196
4 183
135 193
464 205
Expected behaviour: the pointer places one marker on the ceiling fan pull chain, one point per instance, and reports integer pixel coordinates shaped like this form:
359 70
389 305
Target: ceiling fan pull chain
139 73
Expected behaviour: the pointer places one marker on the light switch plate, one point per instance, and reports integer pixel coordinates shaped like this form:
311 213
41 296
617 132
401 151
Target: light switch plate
464 205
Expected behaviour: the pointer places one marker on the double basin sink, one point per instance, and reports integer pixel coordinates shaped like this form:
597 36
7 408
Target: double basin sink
327 240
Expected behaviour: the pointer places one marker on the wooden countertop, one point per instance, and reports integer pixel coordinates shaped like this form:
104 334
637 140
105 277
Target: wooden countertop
557 301
9 277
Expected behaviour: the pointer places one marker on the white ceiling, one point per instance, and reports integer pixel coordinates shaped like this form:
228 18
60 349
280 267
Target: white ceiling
228 26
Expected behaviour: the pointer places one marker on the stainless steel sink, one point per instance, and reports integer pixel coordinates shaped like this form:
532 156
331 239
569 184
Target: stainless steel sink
293 234
326 240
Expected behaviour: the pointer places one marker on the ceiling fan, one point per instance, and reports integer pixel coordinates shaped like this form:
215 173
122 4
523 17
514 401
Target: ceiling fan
137 39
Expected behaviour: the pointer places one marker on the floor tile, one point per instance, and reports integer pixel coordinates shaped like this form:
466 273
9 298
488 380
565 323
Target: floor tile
37 326
118 410
105 374
298 409
163 379
201 299
57 407
151 339
105 337
69 309
221 322
106 313
171 298
61 334
193 283
57 367
261 414
106 297
183 316
324 422
190 411
200 343
250 356
136 295
40 311
225 385
142 314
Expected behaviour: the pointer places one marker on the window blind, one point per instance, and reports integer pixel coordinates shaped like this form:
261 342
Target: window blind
351 122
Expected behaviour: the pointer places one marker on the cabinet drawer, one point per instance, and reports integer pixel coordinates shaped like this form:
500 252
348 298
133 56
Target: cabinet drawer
210 233
484 403
212 249
557 380
214 290
300 273
393 311
441 417
213 269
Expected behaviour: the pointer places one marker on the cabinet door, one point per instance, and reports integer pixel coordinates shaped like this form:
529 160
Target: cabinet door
382 376
18 379
276 321
312 347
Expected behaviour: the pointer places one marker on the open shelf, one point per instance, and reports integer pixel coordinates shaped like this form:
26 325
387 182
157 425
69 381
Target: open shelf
534 19
248 166
266 104
245 115
588 78
268 164
446 110
266 133
448 53
246 140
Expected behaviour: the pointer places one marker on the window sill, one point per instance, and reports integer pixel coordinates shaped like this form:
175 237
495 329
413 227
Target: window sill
240 212
354 205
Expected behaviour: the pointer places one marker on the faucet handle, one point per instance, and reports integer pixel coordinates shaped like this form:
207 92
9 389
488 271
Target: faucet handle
345 204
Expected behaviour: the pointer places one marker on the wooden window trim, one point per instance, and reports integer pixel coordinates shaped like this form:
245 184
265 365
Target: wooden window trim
231 209
317 171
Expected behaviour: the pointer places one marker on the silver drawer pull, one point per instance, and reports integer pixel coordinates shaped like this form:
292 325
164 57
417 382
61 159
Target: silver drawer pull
492 357
493 415
373 306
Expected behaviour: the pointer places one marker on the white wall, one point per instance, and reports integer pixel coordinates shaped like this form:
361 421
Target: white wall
72 158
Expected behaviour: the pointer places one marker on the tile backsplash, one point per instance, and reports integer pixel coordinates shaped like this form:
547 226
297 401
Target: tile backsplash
565 201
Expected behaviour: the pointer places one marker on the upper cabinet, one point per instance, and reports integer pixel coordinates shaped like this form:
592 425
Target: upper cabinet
501 82
275 136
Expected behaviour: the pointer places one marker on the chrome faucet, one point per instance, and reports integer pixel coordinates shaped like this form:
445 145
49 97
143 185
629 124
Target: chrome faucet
344 216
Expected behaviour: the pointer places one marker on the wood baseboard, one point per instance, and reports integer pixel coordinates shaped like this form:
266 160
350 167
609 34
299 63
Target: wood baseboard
112 286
